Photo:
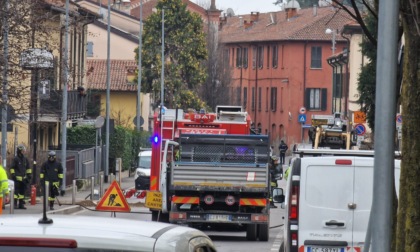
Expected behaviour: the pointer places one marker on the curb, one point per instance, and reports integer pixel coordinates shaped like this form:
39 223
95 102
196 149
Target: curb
67 210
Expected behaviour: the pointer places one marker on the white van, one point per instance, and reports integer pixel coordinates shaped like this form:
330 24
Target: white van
142 173
328 201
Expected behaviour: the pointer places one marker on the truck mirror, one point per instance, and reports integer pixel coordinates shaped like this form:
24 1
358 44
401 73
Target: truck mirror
278 195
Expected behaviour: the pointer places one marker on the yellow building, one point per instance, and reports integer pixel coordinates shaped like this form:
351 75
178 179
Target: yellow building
36 91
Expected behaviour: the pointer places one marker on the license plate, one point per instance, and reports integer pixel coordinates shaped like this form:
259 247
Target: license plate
324 249
218 217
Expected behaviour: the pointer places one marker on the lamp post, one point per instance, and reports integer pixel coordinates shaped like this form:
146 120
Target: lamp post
333 32
162 80
138 115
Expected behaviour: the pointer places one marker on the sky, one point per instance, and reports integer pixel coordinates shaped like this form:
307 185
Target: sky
241 7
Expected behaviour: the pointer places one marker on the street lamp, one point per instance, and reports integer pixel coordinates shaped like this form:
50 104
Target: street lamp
329 31
138 115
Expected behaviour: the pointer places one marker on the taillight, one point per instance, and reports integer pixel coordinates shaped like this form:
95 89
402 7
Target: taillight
294 239
294 203
343 162
38 242
178 216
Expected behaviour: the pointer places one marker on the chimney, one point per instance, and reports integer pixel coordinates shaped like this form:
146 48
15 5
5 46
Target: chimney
315 10
213 5
273 18
254 16
247 25
241 21
222 21
290 12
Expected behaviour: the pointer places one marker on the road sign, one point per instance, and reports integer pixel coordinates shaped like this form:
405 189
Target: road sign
359 117
302 110
153 200
360 129
230 200
399 118
113 200
302 118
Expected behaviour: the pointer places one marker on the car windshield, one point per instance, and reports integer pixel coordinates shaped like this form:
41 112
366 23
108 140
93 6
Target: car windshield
145 162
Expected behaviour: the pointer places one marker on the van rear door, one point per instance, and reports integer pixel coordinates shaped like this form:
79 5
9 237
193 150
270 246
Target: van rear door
325 219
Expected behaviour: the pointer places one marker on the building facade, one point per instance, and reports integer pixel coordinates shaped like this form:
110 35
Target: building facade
280 70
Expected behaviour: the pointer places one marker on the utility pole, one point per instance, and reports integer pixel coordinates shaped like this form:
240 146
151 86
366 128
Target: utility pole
108 93
138 116
5 83
64 107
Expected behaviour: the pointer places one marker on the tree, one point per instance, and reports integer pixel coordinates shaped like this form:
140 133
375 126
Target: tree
184 53
408 219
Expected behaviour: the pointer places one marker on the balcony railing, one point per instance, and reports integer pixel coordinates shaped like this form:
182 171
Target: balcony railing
76 105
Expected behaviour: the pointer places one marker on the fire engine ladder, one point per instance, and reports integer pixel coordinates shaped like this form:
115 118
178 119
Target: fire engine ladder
168 118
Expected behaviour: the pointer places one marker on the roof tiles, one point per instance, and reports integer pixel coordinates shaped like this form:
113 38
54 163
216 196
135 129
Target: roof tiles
303 26
97 74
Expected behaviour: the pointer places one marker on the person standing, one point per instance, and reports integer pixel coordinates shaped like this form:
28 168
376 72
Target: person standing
4 186
21 175
283 148
52 171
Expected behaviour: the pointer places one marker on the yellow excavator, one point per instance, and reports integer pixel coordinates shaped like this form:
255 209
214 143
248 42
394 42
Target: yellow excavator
331 131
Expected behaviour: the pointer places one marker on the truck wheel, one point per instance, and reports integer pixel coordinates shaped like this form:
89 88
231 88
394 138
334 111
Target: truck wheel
251 232
263 232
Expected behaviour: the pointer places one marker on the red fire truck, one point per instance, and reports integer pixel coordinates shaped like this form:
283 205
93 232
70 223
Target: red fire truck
214 170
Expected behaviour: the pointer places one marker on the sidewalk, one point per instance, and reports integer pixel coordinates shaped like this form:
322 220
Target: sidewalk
82 198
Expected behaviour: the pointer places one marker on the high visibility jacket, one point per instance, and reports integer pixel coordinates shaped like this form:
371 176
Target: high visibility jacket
20 168
4 181
52 172
286 173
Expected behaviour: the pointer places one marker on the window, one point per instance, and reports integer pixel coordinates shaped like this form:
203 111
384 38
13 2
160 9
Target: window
245 57
238 57
268 56
254 57
316 99
273 100
89 49
275 56
259 98
245 97
316 56
338 90
233 56
253 99
266 99
260 56
238 95
226 56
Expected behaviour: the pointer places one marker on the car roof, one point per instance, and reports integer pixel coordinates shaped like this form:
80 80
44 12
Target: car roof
97 232
145 153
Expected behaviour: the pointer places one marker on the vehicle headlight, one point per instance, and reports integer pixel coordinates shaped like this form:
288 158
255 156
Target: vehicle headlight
140 173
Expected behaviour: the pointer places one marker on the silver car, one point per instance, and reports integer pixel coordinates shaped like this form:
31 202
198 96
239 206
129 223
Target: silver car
89 234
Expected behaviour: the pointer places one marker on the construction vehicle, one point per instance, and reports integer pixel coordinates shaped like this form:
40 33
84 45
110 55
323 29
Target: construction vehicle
211 170
331 131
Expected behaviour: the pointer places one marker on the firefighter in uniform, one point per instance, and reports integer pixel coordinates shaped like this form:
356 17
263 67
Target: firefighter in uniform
52 171
274 162
21 174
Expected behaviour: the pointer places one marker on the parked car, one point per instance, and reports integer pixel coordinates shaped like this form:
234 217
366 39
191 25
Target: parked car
142 173
89 233
328 201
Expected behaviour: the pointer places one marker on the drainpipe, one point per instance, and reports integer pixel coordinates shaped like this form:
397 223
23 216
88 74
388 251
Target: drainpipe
347 88
82 65
257 59
304 85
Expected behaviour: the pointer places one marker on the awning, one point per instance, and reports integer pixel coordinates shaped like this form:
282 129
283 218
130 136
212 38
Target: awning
199 131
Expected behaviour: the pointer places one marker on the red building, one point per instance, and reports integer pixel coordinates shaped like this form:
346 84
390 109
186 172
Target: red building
279 63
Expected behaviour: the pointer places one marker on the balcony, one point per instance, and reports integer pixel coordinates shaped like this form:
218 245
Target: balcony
52 107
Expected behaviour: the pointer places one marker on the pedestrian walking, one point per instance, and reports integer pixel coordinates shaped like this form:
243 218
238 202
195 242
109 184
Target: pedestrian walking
52 171
4 187
21 175
283 148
